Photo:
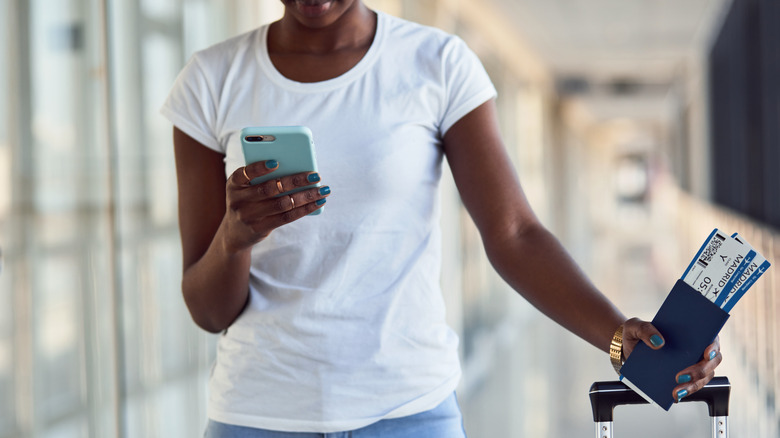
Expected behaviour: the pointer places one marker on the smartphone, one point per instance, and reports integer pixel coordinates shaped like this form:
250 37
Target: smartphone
291 146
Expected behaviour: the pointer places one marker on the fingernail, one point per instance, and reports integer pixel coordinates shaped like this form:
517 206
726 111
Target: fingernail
321 201
271 164
681 393
685 378
325 191
713 353
656 341
313 177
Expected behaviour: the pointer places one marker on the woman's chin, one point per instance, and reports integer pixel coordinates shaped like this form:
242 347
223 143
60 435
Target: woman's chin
313 9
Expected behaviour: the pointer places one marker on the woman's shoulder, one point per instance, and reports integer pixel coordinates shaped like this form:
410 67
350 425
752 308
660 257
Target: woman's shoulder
225 53
411 35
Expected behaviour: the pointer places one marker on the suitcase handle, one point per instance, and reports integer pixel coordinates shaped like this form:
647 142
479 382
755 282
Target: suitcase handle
605 396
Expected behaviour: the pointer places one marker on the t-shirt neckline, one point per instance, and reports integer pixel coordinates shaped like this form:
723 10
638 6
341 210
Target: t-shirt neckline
355 72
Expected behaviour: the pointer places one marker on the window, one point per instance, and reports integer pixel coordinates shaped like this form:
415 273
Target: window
744 66
94 337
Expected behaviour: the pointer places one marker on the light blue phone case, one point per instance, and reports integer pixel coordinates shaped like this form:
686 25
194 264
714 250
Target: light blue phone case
293 149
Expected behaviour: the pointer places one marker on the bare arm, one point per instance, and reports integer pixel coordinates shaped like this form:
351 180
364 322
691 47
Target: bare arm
220 219
523 252
216 279
531 259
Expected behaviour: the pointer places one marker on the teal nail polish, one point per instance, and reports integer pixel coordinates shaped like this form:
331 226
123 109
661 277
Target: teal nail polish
325 191
271 164
681 393
321 201
713 353
685 378
656 341
313 177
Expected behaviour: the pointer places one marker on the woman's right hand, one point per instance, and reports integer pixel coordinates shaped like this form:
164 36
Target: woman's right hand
253 211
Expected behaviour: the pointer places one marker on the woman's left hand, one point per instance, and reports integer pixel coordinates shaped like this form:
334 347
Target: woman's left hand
690 379
696 376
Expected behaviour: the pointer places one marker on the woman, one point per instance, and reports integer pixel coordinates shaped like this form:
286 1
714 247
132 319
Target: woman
335 323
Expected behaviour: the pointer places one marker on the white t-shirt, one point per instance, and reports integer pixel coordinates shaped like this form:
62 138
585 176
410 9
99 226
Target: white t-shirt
345 324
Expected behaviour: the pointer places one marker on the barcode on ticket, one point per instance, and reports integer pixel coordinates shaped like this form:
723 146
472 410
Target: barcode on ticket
709 252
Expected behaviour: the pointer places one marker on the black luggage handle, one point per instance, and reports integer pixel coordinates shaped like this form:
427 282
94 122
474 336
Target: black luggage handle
605 396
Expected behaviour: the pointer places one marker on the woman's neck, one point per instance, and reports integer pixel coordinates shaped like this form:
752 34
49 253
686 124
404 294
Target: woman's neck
314 54
352 30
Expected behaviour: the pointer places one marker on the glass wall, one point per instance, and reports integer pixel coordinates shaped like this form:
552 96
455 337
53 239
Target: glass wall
7 410
55 233
159 348
94 337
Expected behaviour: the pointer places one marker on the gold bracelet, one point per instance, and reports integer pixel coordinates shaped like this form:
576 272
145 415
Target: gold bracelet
616 349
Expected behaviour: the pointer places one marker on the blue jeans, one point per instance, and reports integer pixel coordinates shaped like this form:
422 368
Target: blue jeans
443 421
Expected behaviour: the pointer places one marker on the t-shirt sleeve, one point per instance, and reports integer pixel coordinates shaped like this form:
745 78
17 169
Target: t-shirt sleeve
467 84
191 106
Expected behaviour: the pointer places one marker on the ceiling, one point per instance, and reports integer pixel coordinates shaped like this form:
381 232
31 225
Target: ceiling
644 40
616 59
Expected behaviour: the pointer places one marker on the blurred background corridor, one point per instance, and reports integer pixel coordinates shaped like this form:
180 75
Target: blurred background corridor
636 128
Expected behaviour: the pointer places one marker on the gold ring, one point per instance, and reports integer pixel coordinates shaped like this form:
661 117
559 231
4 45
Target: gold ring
279 186
292 201
248 179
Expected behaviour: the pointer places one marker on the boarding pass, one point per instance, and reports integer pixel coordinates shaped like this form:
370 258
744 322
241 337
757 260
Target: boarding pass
724 268
753 271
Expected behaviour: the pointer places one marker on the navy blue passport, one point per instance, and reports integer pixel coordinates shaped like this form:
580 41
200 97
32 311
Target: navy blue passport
689 323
